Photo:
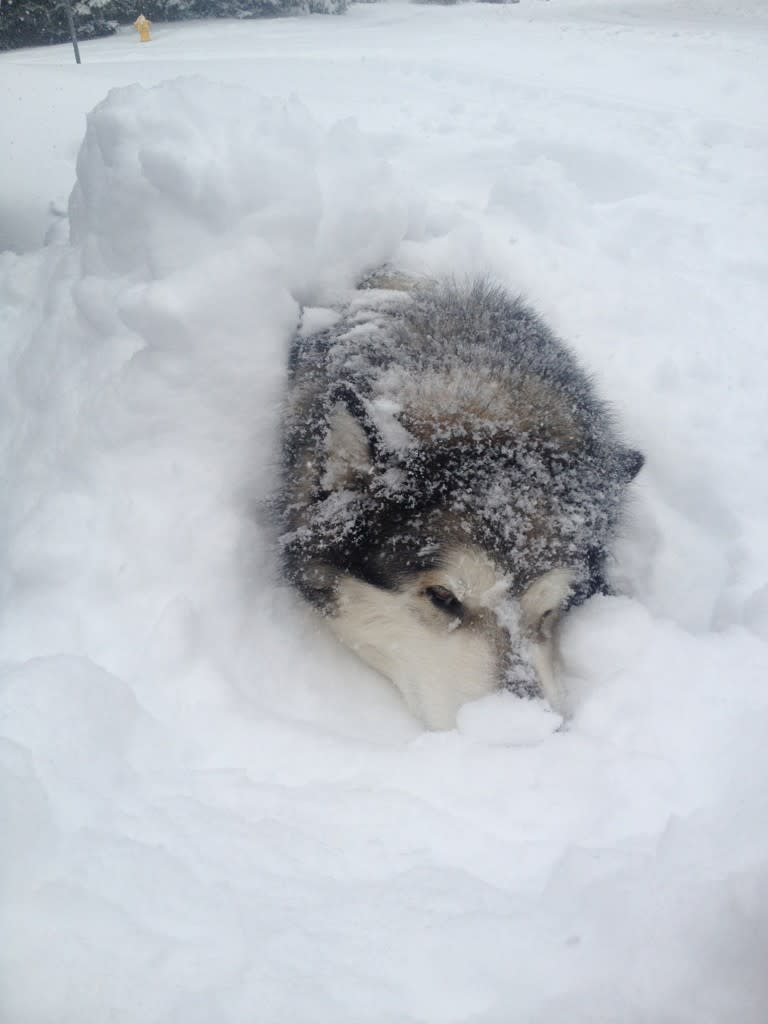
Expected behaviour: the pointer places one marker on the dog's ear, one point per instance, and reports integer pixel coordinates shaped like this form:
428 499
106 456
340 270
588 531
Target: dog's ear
351 442
630 463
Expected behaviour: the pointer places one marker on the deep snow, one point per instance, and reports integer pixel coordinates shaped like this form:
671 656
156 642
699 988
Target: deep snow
211 812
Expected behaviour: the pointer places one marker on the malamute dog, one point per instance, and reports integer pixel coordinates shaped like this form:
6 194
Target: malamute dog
451 485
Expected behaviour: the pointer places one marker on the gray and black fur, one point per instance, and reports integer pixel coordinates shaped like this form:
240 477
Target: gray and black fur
438 415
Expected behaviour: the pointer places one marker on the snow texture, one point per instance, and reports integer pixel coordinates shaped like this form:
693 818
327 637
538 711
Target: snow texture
210 811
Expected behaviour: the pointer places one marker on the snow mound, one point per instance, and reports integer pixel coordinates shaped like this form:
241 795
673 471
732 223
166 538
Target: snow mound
165 175
145 390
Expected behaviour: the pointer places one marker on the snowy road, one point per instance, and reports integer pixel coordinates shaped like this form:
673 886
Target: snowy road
216 814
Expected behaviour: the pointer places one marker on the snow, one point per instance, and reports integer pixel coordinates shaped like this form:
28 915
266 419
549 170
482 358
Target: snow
504 720
212 812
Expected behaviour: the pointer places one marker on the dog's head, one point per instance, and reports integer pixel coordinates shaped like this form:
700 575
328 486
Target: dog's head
455 632
444 553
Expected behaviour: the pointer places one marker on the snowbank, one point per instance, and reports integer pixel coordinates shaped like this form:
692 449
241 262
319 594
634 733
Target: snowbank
213 813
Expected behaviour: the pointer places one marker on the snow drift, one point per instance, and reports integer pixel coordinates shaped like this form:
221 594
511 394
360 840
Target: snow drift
213 813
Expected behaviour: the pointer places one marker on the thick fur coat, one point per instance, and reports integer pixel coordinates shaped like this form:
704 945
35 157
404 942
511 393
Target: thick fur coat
451 484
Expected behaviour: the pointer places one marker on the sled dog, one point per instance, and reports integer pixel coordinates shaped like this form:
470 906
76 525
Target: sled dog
451 486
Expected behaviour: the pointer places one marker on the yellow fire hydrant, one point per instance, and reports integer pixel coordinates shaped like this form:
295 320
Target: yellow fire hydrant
143 25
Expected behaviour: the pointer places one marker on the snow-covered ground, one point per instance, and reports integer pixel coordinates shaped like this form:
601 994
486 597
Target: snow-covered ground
211 813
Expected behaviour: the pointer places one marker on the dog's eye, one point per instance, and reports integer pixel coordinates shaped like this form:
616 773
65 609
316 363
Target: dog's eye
442 598
547 622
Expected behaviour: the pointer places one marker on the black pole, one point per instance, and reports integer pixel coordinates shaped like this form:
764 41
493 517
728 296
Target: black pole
71 23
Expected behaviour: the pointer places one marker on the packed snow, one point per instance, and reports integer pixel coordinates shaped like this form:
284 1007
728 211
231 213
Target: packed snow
211 811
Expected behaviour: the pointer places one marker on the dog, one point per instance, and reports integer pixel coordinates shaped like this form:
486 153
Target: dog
451 486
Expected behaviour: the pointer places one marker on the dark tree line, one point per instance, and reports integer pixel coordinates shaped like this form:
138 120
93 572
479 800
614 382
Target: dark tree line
39 22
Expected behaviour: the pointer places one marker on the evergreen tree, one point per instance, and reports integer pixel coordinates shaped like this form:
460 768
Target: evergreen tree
32 22
36 22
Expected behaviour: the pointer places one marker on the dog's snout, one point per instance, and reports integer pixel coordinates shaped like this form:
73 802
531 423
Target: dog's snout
519 673
516 667
508 616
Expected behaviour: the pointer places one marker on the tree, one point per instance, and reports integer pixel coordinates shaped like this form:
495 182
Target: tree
36 22
32 22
